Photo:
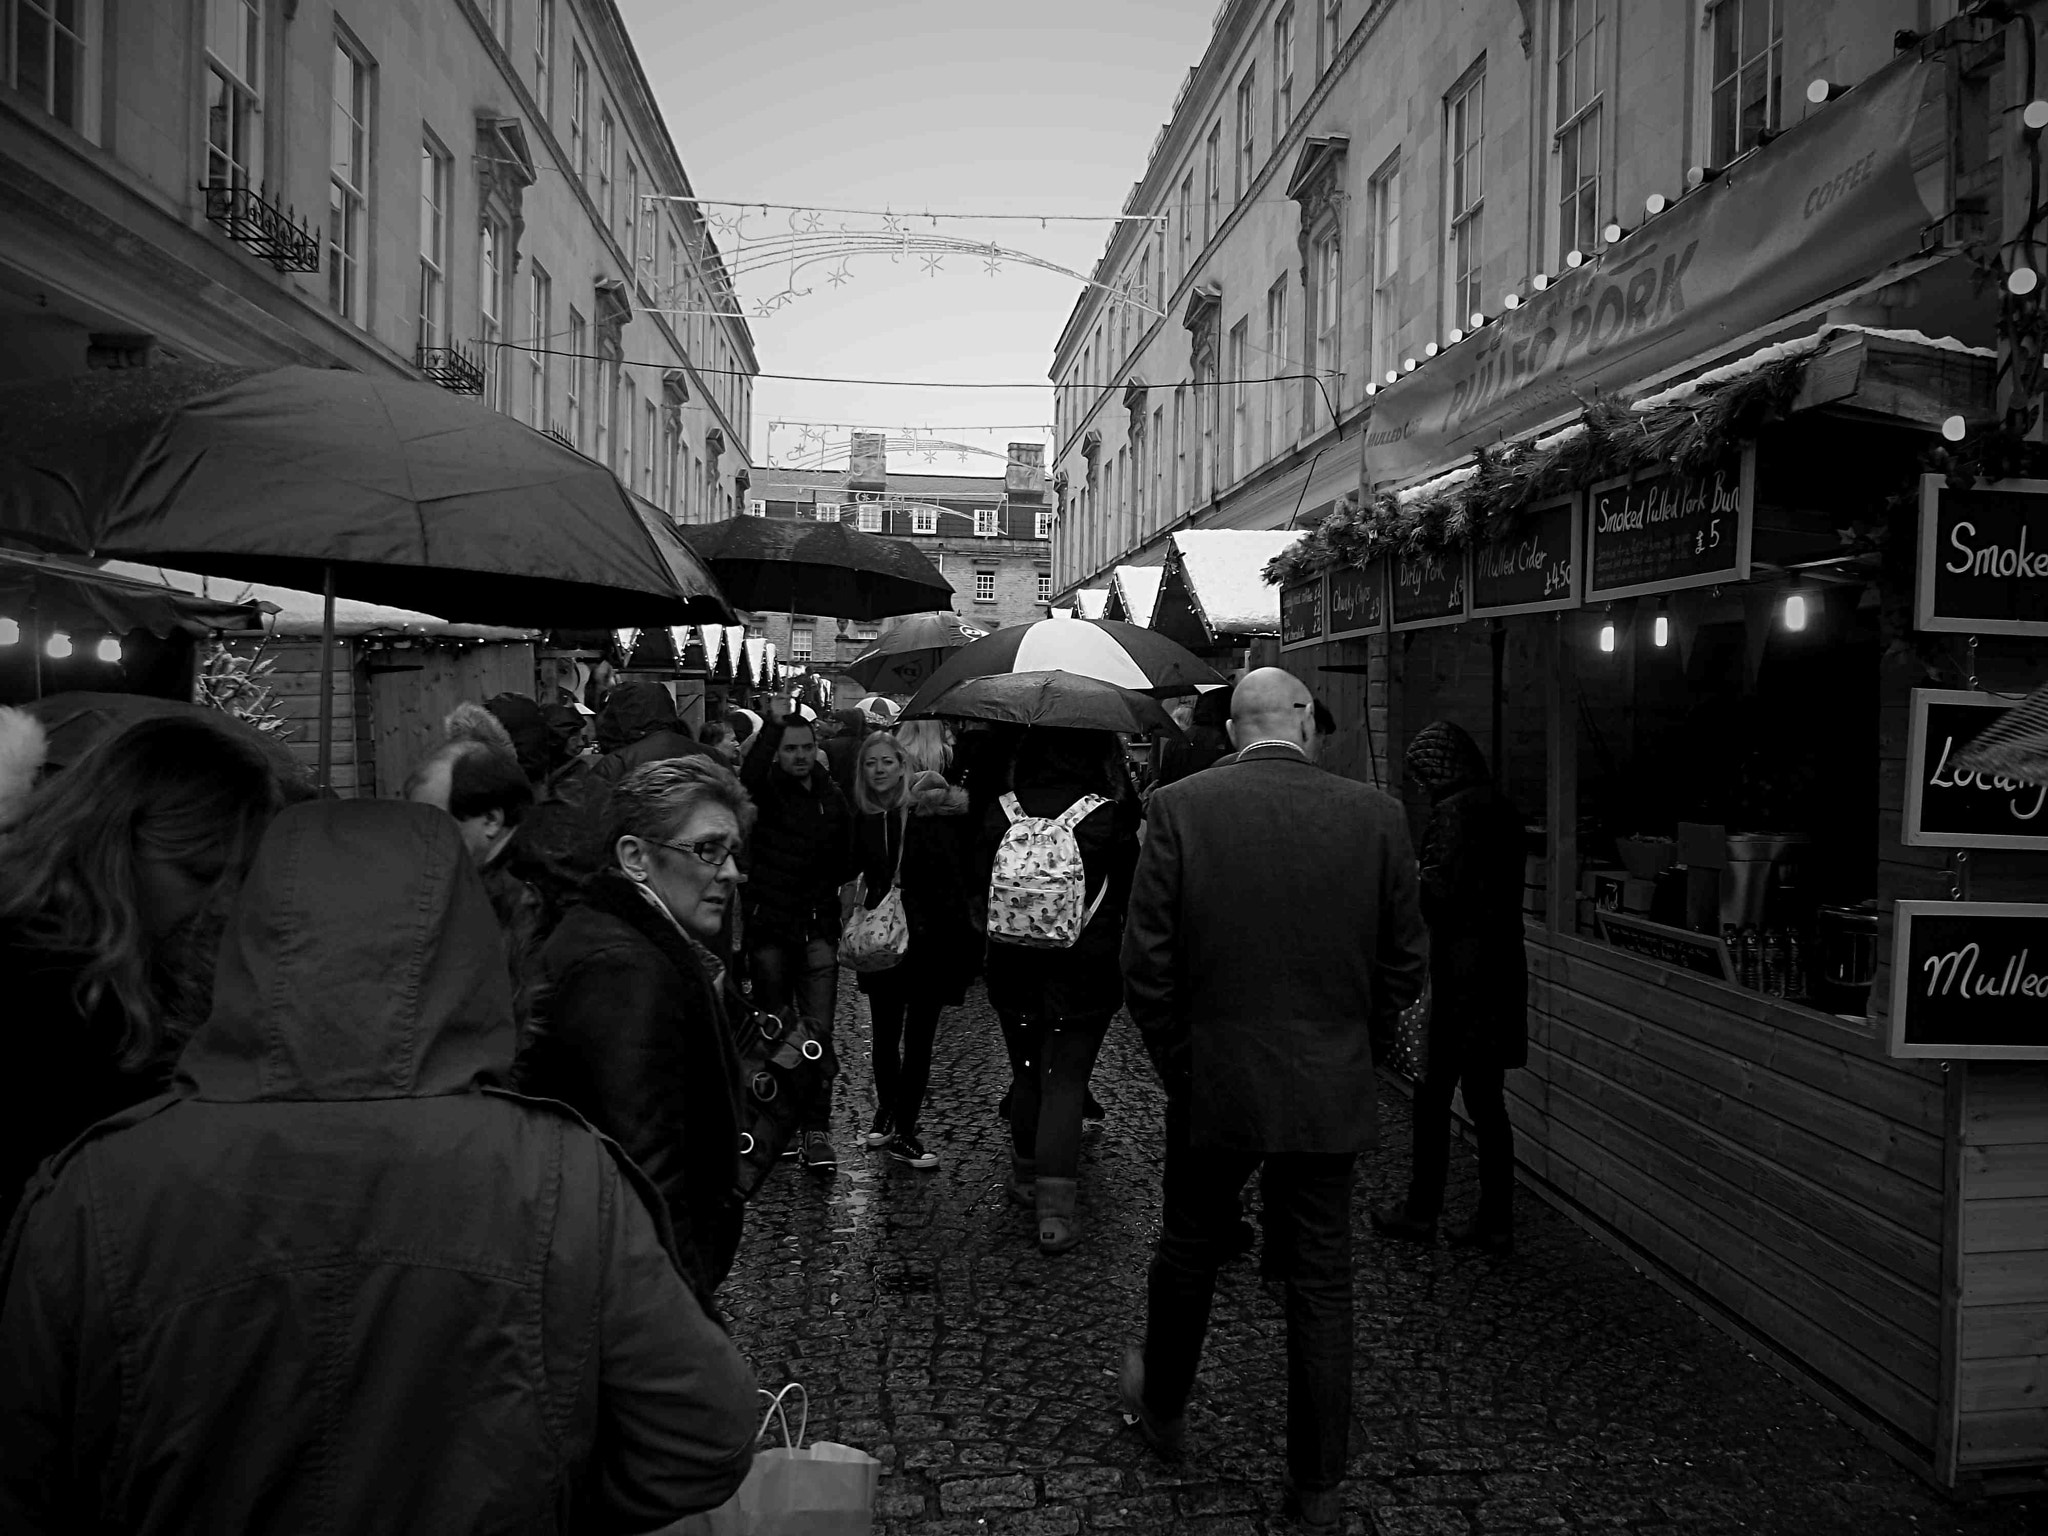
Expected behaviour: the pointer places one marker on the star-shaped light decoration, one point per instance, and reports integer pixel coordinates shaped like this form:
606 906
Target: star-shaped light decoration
930 457
812 222
932 265
992 265
840 277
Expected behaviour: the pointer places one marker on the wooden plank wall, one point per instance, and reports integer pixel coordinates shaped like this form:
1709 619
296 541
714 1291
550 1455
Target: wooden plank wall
295 687
1358 700
2002 1329
411 688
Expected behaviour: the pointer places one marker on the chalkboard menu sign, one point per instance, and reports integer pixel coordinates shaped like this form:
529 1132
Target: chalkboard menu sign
1948 807
1703 954
1301 613
1658 533
1534 571
1356 600
1983 567
1430 589
1970 978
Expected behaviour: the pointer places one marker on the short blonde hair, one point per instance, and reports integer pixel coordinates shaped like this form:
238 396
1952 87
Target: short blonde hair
863 799
927 746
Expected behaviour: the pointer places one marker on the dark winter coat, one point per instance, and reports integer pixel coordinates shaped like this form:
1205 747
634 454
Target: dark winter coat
1472 856
800 853
628 1031
932 837
638 727
335 1281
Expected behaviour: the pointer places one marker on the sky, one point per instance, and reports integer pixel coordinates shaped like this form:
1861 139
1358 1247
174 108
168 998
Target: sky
1042 107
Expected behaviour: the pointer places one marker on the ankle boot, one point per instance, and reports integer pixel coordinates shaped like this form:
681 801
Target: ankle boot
1023 1181
1058 1228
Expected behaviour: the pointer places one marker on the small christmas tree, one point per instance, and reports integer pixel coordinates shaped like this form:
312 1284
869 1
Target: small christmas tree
234 684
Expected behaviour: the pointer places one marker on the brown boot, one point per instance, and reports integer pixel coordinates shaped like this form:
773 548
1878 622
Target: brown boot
1058 1228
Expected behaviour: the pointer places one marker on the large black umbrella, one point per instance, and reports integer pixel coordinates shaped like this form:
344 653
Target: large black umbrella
911 652
1065 699
779 565
1122 654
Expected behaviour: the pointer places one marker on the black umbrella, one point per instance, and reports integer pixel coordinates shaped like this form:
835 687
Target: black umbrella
779 565
1065 699
1104 649
911 652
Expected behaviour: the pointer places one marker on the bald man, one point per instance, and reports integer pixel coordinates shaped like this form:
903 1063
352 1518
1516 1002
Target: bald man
1275 928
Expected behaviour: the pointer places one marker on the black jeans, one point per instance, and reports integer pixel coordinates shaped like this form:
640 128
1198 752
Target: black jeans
1308 1209
1486 1102
1050 1060
907 1019
808 975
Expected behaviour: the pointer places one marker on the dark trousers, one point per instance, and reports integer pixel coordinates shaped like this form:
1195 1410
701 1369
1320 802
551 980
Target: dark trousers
807 975
906 1022
1050 1060
1308 1211
1486 1102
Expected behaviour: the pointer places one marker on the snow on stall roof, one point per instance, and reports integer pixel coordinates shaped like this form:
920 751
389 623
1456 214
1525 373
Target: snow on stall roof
1089 604
299 613
1224 570
1140 587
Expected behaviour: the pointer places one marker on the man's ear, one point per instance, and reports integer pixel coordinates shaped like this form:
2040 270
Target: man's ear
1230 730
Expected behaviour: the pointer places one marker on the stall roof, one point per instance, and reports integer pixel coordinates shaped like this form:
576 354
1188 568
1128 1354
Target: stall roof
299 613
1089 604
1134 590
1214 585
73 594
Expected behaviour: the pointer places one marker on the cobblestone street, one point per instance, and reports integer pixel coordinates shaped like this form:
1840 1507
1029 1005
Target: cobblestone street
1557 1391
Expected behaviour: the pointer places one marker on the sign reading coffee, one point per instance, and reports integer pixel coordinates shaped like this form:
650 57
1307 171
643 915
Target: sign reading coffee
1301 613
1535 569
1429 588
1951 807
1356 601
1659 533
1970 978
1983 567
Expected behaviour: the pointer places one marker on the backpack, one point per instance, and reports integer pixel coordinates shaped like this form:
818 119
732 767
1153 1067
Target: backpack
1037 886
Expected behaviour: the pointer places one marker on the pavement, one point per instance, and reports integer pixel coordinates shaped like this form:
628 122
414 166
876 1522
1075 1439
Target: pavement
1558 1390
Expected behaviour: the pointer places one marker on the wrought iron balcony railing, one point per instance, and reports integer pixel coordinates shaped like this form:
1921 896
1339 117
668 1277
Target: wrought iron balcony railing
249 217
452 368
560 436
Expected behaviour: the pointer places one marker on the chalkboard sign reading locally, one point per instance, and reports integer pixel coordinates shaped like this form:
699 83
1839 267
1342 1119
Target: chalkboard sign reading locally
1536 569
1429 589
1301 613
1970 978
1658 533
1983 567
1680 948
1356 600
1950 807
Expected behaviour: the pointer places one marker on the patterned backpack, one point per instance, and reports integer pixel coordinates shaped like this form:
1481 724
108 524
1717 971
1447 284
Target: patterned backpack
1037 888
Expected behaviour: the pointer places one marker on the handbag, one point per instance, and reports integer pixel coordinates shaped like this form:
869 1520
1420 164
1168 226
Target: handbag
786 1070
825 1489
1410 1053
878 937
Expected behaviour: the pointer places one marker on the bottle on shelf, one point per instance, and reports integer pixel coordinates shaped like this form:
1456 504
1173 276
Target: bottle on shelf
1795 965
1773 962
1749 967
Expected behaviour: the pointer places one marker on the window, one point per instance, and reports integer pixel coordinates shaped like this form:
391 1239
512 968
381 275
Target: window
1238 449
1283 70
627 427
866 633
607 407
984 586
544 55
52 41
579 113
1187 225
234 96
1747 57
671 451
604 168
1180 452
494 16
924 519
1123 322
645 247
490 293
870 519
348 176
1579 27
539 311
1212 182
579 369
825 511
802 638
756 632
1120 505
1247 134
1330 35
1145 295
1045 586
1326 266
1465 178
988 523
1152 439
1383 208
650 434
1041 525
632 218
756 507
672 294
433 245
1273 427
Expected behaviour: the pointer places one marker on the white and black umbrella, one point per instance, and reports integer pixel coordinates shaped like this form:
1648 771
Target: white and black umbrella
1120 654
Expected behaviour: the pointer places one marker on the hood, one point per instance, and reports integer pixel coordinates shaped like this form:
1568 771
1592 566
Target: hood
533 742
24 748
362 961
1444 759
633 710
1213 708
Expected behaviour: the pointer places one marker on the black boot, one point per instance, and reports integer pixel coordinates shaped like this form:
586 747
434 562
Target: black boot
1393 1220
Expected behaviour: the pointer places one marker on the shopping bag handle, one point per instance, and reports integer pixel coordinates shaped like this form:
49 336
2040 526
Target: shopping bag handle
777 1410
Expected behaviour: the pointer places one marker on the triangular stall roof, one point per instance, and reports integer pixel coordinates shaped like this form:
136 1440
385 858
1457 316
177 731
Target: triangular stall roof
1213 592
1133 593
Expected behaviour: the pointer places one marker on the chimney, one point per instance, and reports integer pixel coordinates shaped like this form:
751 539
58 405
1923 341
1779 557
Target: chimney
1024 478
869 467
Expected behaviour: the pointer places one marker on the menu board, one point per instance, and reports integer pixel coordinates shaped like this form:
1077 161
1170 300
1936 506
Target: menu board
1355 600
1659 533
1680 948
1969 979
1983 567
1536 570
1301 613
1949 807
1430 588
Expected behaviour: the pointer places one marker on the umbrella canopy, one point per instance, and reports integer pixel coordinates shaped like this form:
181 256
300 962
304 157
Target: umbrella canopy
409 495
2016 747
911 652
71 595
75 722
1065 699
778 565
1102 649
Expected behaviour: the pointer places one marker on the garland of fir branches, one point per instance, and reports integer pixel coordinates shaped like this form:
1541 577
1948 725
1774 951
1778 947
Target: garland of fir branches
1689 435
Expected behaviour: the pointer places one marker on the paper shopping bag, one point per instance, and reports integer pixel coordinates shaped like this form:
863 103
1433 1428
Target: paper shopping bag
825 1489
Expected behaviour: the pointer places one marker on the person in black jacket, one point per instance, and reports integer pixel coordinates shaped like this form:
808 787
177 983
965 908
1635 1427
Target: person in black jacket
639 726
800 854
1055 1005
628 1029
1471 858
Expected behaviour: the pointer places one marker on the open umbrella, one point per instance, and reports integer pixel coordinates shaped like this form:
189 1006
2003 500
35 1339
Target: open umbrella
911 652
75 722
1066 699
1103 649
779 565
2016 747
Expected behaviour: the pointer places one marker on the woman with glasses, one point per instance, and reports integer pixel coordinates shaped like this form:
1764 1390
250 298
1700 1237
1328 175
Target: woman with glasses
629 1030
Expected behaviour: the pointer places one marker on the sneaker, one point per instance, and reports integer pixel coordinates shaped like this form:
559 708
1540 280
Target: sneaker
908 1149
818 1154
879 1132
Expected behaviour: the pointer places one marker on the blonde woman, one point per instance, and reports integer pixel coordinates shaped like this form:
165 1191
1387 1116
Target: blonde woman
913 832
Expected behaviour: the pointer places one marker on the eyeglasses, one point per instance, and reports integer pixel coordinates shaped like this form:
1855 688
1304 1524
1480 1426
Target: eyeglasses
711 851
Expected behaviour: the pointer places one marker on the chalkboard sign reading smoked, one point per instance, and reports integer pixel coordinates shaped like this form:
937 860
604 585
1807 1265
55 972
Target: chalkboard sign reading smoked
1970 978
1983 567
1429 589
1950 807
1680 948
1356 600
1536 569
1659 533
1301 613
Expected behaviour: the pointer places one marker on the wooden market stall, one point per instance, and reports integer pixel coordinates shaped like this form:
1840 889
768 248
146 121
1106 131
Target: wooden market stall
1133 592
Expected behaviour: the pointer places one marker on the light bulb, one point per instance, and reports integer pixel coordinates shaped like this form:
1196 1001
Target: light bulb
1575 258
1431 350
1371 388
1407 365
1607 636
1477 318
1655 204
59 646
10 632
1457 333
2035 115
1540 281
1612 233
2022 280
108 650
1393 374
1795 611
1953 428
1511 300
1821 92
1660 632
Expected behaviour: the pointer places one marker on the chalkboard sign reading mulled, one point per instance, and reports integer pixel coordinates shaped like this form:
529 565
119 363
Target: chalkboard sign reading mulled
1949 807
1680 948
1429 588
1983 567
1301 613
1534 571
1970 979
1356 600
1661 533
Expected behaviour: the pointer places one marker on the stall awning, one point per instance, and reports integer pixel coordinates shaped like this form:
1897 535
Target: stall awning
298 613
1089 603
1133 590
1213 588
74 595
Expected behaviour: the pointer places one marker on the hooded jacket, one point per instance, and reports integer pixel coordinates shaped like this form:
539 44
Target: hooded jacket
801 849
335 1283
638 727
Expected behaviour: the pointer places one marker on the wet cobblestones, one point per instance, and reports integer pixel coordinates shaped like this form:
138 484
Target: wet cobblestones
1556 1391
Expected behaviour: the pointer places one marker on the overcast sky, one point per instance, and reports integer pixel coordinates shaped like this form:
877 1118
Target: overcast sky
979 105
